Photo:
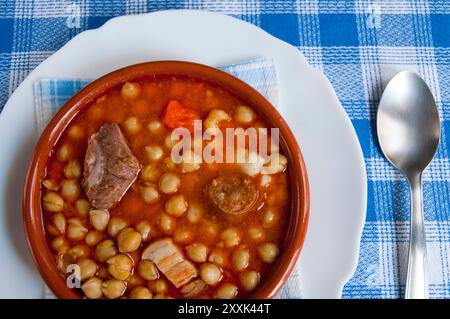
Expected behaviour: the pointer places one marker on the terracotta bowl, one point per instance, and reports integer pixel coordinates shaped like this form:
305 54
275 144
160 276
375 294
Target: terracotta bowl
298 217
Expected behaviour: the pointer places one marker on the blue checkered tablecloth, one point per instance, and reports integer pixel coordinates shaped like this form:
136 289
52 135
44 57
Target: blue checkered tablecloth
359 45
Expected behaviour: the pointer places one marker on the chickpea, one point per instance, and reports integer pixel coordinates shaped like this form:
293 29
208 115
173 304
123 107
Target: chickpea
97 111
93 237
268 252
253 165
194 212
128 240
51 185
209 229
256 233
113 288
183 235
170 163
219 256
70 189
150 194
231 237
92 288
75 132
76 231
210 273
158 286
214 117
154 152
197 252
244 115
116 224
170 142
275 165
61 263
148 270
130 90
53 202
145 229
59 221
72 169
82 206
169 183
88 268
240 258
60 244
105 250
281 194
78 252
64 153
176 205
134 280
270 218
249 279
188 167
140 293
99 218
132 125
150 173
52 230
226 291
190 162
155 127
103 272
120 266
167 223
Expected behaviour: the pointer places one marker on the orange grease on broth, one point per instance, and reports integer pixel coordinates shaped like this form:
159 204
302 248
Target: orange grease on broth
156 93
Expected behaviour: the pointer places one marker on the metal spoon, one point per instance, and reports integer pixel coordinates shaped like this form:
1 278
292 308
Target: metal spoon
408 128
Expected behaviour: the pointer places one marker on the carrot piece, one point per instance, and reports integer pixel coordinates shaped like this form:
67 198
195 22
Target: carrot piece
178 115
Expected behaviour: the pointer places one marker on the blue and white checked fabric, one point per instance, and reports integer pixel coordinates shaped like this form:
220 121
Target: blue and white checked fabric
359 45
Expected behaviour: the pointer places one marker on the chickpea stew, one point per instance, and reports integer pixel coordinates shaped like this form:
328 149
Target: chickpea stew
136 223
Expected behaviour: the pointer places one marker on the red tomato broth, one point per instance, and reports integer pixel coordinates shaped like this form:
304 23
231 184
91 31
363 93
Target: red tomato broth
202 97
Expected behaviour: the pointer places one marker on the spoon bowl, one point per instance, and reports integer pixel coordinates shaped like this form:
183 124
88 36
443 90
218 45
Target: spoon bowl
408 129
408 123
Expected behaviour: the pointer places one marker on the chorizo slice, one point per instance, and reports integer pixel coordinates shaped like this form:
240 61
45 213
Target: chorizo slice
233 195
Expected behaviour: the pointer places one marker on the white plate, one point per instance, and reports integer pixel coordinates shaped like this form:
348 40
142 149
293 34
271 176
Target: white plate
307 101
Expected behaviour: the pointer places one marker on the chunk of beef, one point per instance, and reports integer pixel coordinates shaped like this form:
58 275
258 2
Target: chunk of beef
109 167
234 195
169 259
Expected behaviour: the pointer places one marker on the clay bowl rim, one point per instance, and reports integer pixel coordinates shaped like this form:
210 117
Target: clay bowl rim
32 211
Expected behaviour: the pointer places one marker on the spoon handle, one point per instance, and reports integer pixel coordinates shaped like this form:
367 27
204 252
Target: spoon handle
416 283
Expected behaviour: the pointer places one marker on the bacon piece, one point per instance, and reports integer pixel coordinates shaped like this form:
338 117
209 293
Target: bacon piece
194 288
169 259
